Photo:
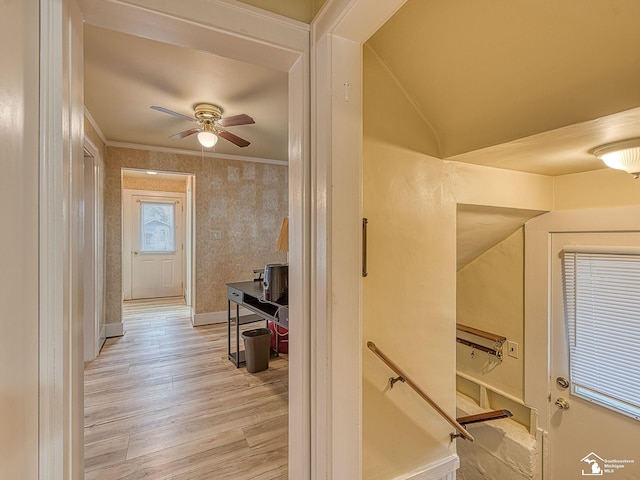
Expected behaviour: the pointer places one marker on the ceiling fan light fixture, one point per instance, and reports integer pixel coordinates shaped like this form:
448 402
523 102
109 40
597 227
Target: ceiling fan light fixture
207 139
622 155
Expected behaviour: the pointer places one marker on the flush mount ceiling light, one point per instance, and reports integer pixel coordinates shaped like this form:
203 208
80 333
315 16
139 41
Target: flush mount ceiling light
622 155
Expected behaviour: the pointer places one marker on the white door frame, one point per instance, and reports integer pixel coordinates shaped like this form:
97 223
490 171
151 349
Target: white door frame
537 298
228 29
93 248
339 32
60 336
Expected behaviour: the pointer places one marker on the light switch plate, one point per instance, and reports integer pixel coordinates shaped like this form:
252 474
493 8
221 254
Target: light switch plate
512 349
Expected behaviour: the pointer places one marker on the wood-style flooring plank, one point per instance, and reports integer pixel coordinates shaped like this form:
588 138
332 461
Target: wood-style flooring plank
163 402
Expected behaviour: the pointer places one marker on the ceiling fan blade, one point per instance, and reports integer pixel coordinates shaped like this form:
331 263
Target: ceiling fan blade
242 119
241 142
175 114
186 133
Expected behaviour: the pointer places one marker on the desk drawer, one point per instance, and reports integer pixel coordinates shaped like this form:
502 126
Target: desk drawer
235 295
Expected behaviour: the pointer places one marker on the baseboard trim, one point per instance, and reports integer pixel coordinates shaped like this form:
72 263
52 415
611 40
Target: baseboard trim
209 318
114 329
442 469
103 336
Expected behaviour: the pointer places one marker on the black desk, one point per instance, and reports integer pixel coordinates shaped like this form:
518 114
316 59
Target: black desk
249 295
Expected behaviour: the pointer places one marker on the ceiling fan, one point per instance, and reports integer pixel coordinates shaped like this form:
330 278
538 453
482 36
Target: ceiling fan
211 125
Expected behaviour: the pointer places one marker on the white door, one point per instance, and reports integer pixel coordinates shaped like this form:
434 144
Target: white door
157 247
585 439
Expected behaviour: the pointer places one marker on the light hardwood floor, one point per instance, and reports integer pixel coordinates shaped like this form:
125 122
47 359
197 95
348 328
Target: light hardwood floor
163 402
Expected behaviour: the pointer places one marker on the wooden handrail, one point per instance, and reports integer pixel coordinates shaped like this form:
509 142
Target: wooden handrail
484 417
480 333
459 428
482 348
498 340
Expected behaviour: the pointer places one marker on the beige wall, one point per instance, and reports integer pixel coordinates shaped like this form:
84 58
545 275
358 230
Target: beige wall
245 201
19 209
408 308
490 293
596 189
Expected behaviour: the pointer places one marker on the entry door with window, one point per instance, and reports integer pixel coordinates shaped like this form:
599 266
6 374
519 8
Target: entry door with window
157 247
592 433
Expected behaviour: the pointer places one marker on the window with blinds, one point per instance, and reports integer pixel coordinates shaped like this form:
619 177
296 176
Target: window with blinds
602 312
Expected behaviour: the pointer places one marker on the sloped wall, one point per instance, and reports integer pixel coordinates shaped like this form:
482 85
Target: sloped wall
490 297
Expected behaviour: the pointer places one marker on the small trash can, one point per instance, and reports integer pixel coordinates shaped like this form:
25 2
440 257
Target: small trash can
257 348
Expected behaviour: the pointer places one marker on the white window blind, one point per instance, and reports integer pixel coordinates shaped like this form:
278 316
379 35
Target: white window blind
602 311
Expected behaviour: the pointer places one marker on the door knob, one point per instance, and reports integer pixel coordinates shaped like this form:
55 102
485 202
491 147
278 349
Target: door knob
562 382
135 252
562 404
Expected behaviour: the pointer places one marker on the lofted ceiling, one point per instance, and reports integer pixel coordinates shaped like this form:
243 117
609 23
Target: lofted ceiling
529 86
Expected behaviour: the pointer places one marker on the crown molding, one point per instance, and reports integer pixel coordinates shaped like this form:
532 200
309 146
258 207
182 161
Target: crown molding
94 124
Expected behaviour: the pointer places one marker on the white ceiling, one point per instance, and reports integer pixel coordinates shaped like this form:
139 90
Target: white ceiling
125 75
529 86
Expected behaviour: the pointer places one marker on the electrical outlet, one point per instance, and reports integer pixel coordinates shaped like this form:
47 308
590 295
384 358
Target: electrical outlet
512 349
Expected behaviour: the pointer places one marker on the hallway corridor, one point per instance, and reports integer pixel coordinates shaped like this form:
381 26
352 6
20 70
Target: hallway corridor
163 402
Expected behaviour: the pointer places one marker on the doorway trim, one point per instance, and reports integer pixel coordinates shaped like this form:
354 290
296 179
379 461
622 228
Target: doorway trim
94 264
224 28
189 227
338 34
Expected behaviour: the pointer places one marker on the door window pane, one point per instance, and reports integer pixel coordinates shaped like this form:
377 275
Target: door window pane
157 227
602 310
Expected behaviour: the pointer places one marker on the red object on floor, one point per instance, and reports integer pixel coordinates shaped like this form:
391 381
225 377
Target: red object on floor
283 338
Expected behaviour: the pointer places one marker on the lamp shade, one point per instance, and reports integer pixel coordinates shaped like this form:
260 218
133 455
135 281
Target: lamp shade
207 139
283 238
624 155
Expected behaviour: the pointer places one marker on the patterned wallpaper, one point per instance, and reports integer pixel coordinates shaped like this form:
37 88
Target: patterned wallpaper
153 184
242 203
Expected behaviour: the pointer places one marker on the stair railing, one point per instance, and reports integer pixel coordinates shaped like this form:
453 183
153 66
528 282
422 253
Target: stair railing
461 431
